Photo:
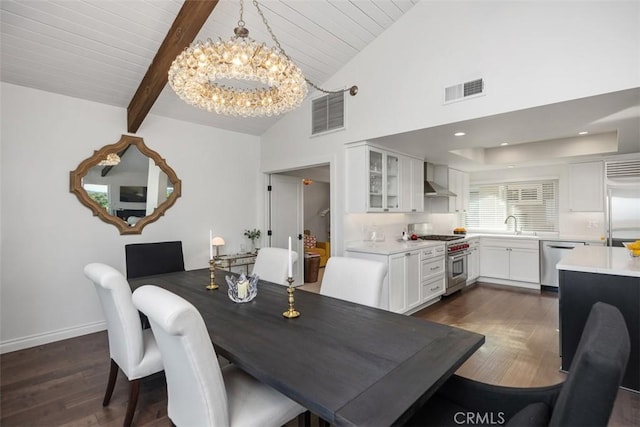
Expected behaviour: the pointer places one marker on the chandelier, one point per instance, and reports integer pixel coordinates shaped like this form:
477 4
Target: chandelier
112 159
196 75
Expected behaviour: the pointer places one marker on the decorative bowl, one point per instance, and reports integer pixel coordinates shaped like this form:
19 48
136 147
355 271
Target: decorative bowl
633 247
243 288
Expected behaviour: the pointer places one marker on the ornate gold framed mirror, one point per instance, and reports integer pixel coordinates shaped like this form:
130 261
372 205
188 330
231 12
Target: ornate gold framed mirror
126 184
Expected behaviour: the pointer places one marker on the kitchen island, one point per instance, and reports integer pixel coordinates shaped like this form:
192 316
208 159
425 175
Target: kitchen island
589 274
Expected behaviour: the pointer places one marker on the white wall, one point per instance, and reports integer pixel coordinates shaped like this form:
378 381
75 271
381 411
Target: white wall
48 236
529 53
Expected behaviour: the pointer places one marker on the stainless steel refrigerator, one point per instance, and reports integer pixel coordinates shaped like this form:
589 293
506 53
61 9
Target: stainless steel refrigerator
623 212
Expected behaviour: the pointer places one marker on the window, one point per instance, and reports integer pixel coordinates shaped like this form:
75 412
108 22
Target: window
534 203
327 113
99 193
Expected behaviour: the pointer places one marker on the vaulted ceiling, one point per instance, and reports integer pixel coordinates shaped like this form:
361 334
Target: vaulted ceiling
100 50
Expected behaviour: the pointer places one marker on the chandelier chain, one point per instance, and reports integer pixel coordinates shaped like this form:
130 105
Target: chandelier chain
277 43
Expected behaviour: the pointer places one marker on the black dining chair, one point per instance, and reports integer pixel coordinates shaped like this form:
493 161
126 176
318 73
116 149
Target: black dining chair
146 259
586 398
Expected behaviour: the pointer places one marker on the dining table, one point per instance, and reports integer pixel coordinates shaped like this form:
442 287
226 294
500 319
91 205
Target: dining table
350 364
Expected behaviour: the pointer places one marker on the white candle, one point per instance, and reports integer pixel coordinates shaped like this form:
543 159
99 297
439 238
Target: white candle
243 287
290 268
210 245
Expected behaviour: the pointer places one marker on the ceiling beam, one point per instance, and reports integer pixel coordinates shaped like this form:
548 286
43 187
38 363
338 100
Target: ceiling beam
183 31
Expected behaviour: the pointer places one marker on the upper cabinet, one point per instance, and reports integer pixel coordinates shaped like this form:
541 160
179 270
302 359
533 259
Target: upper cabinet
381 180
455 181
458 184
586 187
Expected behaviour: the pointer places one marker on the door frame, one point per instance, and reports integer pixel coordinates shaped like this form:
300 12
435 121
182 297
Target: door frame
324 160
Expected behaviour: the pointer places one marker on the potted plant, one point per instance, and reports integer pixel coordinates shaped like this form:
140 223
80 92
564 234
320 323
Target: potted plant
253 235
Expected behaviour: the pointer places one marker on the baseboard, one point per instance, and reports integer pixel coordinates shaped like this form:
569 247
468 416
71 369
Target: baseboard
49 337
512 283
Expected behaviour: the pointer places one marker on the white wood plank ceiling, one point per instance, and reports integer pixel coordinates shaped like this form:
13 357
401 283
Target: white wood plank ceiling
99 50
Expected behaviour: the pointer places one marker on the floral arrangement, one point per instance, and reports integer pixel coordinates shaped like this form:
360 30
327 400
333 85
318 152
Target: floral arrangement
252 234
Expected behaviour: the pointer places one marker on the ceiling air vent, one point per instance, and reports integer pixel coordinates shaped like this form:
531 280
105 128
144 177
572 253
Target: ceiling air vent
327 113
463 91
623 169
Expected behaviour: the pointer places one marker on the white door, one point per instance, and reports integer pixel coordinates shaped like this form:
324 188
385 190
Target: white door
286 218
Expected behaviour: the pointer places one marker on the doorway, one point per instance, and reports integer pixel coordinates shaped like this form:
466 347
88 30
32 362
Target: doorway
309 220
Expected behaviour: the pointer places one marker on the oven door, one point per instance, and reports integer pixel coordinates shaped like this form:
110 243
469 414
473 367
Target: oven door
457 271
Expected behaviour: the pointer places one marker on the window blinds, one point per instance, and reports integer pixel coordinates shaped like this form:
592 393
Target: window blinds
534 203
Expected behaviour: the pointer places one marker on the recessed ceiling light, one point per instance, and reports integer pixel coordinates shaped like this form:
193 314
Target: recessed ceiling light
584 132
504 143
459 134
510 166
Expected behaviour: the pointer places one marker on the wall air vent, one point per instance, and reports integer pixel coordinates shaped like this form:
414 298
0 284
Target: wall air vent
327 113
464 91
623 169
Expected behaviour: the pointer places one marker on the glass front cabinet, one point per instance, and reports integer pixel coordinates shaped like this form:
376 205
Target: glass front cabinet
384 184
381 180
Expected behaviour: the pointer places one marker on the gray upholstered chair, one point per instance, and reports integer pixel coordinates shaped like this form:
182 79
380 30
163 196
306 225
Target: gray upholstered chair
272 264
132 349
586 398
145 259
199 392
354 279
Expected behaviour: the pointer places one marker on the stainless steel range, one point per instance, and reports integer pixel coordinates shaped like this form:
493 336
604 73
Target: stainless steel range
456 266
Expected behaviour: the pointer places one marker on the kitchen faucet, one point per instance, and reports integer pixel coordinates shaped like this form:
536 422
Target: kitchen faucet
515 223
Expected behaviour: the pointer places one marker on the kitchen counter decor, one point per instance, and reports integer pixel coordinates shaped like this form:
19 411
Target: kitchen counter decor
633 247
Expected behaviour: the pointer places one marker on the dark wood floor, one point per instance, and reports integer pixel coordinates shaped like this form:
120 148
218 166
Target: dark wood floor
62 384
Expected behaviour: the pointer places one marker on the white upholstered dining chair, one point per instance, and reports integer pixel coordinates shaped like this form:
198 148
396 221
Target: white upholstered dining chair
354 279
272 264
132 349
199 392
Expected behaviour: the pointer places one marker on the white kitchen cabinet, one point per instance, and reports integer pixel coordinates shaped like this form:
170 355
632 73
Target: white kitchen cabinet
495 262
524 265
417 185
474 261
415 278
586 187
404 280
380 180
515 260
458 184
432 273
433 288
455 181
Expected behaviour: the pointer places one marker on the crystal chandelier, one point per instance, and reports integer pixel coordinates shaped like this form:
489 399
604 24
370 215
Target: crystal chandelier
195 75
112 159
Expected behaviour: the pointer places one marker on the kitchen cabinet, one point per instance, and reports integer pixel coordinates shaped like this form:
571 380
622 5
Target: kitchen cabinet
404 274
415 277
380 180
474 261
417 185
458 184
432 273
515 260
455 181
586 187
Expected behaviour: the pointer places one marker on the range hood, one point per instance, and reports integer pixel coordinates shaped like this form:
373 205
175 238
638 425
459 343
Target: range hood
432 188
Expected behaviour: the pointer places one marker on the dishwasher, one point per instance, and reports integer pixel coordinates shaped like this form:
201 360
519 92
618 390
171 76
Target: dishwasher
551 252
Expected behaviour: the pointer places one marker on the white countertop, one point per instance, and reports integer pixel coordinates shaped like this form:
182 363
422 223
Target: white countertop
602 260
541 236
390 247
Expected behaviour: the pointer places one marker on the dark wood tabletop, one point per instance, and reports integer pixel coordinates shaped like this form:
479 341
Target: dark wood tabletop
347 363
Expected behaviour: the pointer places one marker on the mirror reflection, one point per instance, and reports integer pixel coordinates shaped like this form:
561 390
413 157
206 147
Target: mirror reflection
126 184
